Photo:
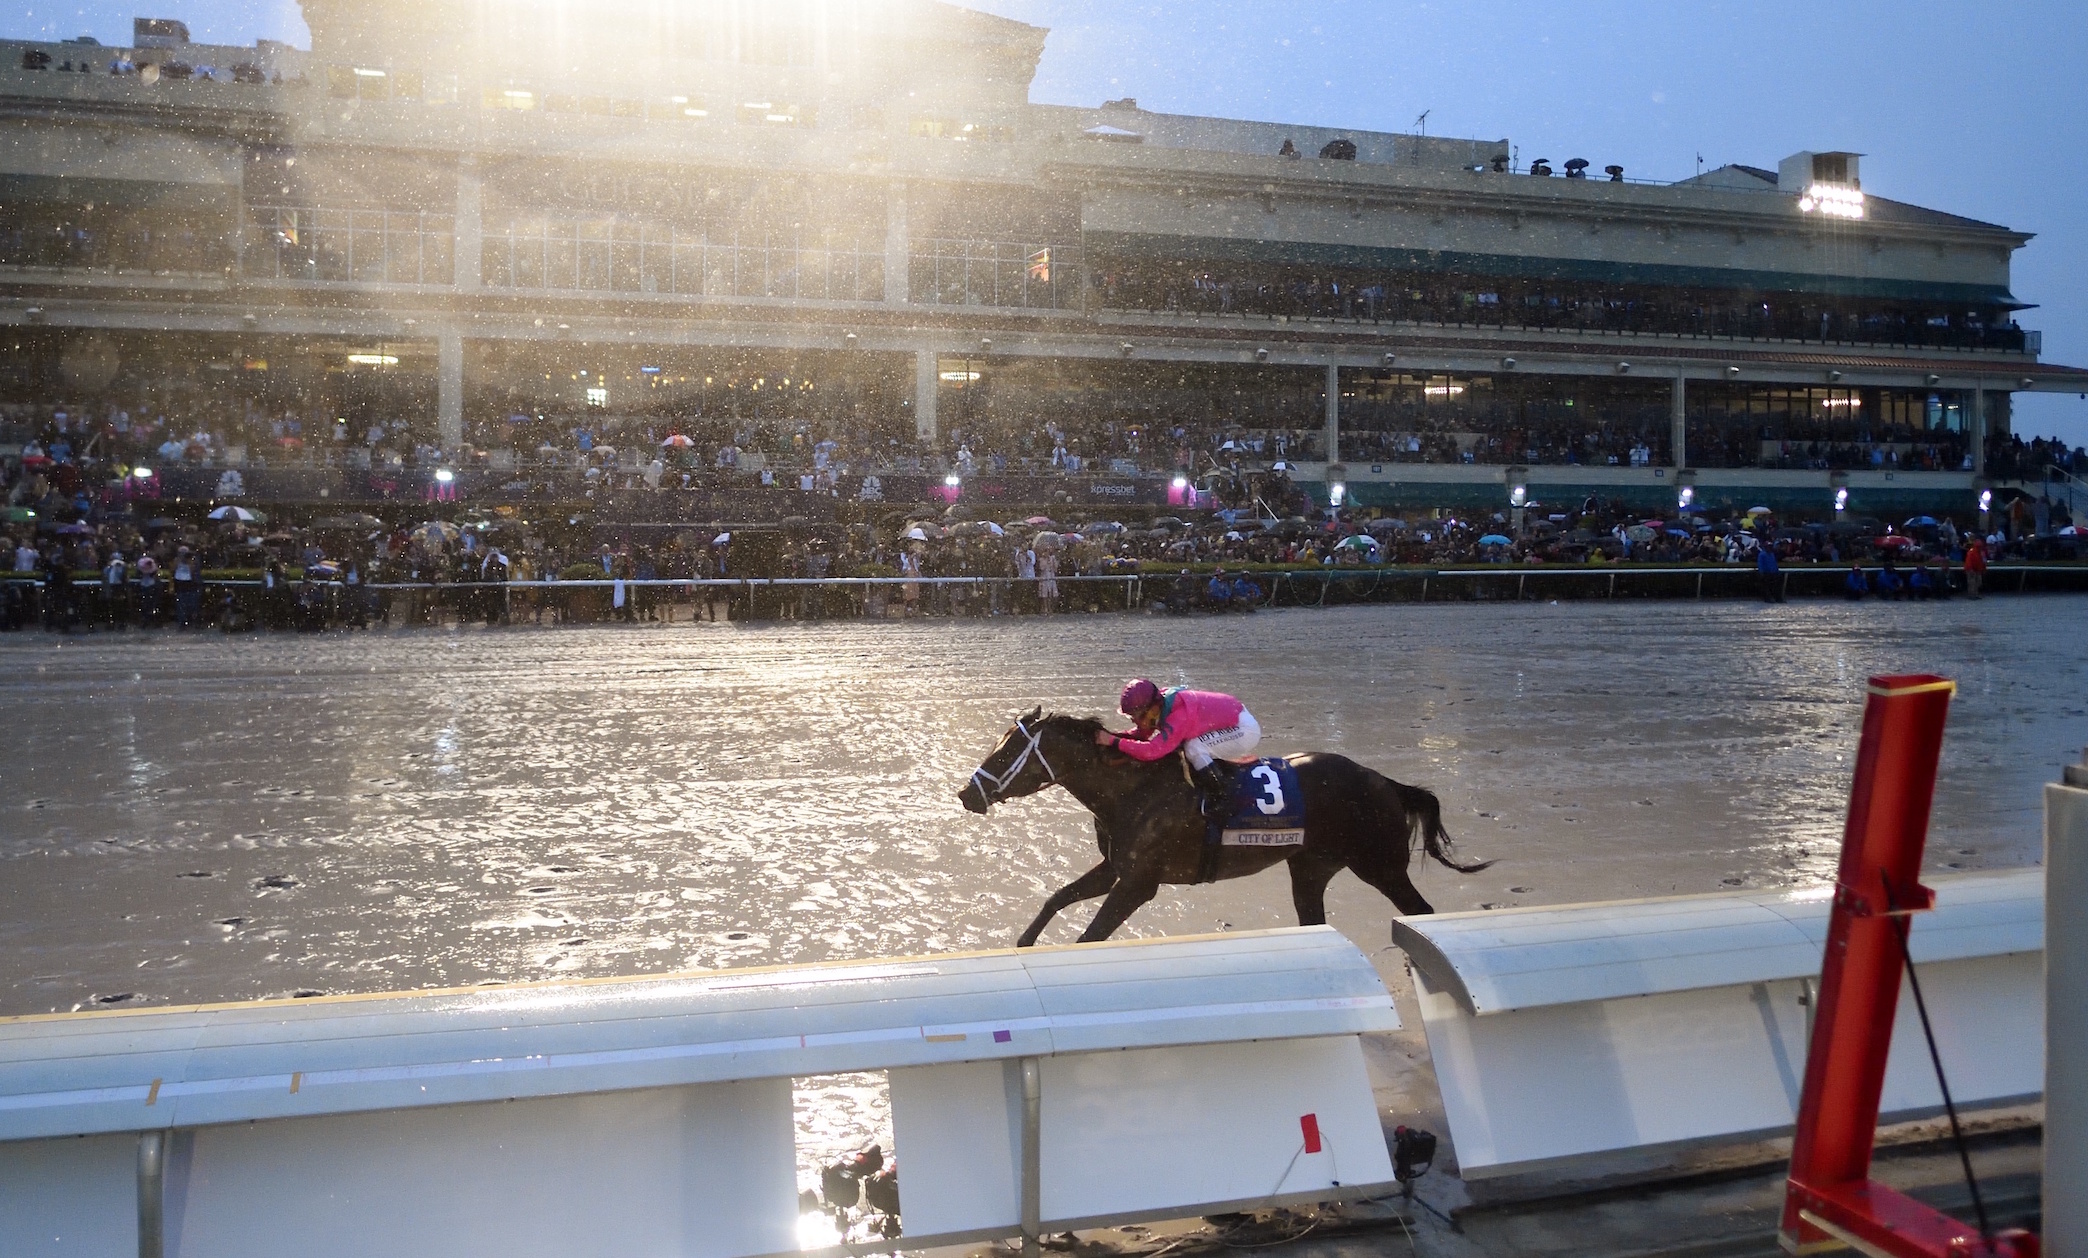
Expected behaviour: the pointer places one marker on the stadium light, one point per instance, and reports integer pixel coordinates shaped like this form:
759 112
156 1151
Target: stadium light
1986 501
145 473
953 480
444 476
1181 483
1841 500
1335 493
1835 202
1518 495
1685 498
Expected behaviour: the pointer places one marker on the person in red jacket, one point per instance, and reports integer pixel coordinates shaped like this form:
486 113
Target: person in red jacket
1975 565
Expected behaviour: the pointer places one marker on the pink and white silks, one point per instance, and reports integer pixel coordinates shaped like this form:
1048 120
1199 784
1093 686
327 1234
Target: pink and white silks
1204 724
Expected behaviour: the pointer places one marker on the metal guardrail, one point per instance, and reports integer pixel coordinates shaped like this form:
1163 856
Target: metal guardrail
1285 587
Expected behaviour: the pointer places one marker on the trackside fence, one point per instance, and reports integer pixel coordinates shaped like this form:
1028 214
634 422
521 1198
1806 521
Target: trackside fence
764 598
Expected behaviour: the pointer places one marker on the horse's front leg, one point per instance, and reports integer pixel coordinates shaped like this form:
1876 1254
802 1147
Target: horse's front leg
1124 899
1094 882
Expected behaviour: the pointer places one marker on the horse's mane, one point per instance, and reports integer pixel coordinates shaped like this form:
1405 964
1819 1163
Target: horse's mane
1084 728
1080 724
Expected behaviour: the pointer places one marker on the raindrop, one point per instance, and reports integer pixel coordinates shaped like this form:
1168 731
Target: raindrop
736 935
197 873
116 998
1734 882
280 882
230 921
1521 890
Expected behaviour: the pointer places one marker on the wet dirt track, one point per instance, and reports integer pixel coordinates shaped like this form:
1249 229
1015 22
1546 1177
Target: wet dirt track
210 818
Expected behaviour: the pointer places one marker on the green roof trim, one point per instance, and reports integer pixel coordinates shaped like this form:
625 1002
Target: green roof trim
1194 249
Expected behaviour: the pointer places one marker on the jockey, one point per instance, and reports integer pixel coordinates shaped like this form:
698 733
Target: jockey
1207 727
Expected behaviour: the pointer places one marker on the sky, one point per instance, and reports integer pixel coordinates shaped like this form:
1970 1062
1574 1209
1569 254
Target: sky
1973 109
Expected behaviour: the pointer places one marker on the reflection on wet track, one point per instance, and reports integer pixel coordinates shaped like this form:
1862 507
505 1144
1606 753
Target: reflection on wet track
217 818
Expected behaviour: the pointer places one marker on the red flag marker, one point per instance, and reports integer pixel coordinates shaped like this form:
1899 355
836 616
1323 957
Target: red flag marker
1309 1123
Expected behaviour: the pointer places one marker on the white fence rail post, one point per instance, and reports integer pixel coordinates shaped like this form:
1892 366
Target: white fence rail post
2066 1016
152 1194
1032 1157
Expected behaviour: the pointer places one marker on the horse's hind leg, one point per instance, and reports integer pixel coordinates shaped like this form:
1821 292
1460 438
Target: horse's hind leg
1309 880
1124 899
1392 881
1094 882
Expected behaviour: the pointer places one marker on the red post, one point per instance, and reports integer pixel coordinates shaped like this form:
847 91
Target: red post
1830 1200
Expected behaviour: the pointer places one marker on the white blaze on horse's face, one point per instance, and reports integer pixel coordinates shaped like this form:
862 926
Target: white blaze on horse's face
989 785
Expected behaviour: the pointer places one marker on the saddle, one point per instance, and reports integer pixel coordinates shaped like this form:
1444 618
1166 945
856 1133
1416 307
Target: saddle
1268 810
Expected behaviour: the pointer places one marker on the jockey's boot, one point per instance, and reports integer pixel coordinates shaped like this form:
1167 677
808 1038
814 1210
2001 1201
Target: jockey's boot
1214 784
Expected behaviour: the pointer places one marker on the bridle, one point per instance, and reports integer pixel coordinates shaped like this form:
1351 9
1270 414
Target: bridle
980 777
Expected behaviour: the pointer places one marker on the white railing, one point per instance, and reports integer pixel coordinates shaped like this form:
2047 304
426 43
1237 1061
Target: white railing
2066 1006
1049 1088
1558 1033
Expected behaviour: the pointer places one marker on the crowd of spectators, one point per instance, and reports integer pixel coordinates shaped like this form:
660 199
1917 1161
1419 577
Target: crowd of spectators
2012 458
74 449
1485 301
355 570
82 510
1741 444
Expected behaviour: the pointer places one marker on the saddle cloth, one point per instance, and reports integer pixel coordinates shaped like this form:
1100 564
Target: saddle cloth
1268 810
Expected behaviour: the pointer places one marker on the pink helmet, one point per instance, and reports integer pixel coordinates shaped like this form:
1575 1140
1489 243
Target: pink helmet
1137 697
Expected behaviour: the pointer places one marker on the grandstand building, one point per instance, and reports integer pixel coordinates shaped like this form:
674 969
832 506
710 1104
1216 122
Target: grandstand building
849 215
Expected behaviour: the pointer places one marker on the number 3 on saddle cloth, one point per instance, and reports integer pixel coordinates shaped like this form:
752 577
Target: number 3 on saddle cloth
1268 810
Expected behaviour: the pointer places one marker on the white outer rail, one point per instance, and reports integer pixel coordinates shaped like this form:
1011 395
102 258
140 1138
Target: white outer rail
2066 1005
1647 1024
655 1115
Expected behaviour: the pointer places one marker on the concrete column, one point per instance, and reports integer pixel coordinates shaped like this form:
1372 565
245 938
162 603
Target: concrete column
2066 1016
1678 421
1333 413
924 396
449 388
470 232
898 264
239 222
1976 428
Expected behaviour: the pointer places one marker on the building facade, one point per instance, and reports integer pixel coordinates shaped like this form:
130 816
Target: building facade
831 217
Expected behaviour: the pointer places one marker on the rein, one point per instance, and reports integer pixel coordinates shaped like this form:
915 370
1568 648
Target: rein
980 777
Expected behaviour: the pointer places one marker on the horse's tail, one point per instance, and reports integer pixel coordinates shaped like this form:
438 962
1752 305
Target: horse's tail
1425 822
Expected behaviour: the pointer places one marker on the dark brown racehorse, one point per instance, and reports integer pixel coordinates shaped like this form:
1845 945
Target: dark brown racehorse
1151 830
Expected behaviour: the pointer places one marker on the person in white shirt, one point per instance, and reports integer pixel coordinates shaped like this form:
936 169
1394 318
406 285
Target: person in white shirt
115 594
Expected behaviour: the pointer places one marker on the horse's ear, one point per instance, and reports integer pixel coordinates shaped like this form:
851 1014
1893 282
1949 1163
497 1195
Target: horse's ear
1035 713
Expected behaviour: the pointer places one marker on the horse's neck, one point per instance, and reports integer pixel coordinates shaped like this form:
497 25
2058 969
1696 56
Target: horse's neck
1101 783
